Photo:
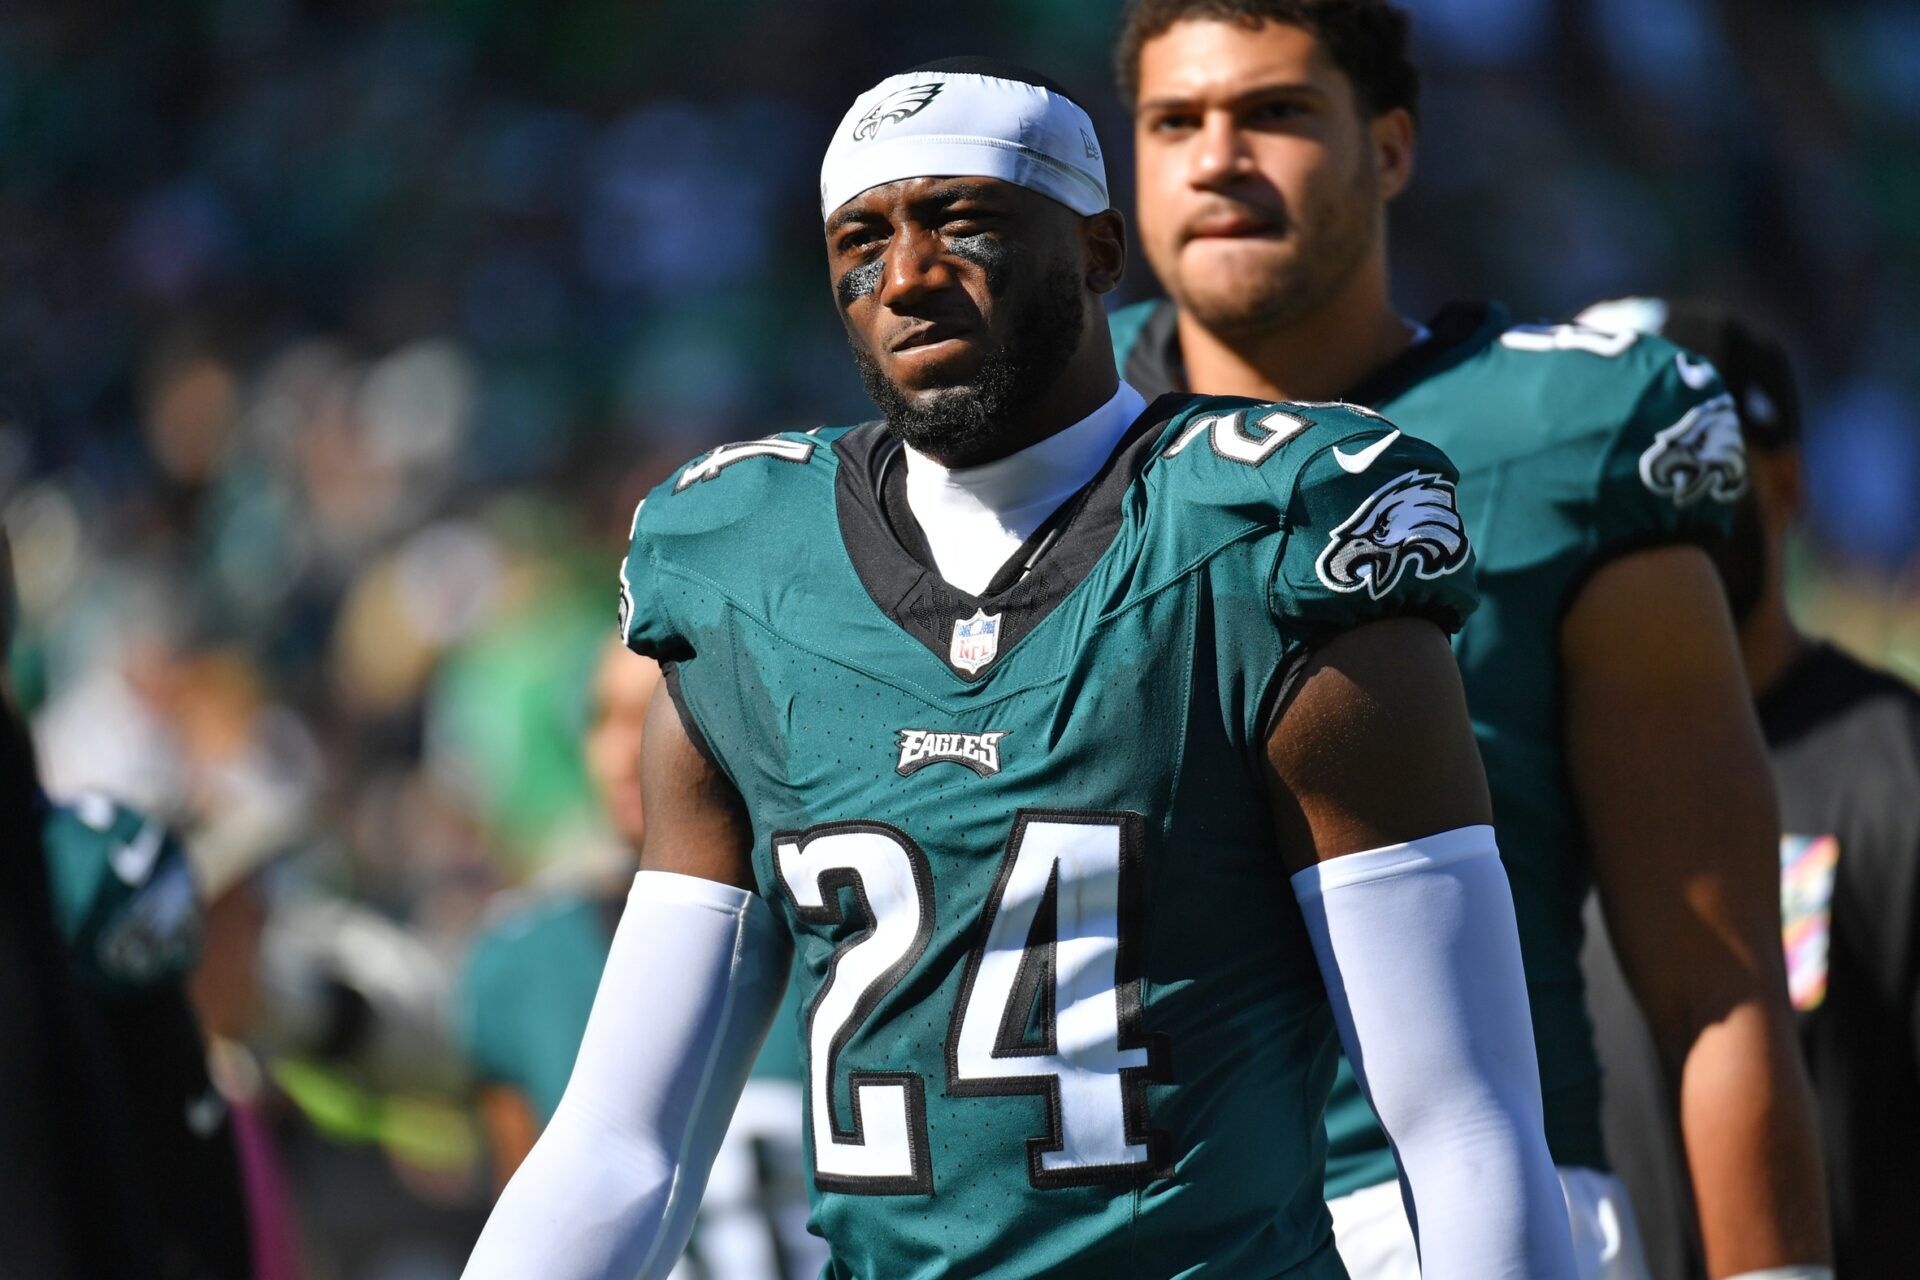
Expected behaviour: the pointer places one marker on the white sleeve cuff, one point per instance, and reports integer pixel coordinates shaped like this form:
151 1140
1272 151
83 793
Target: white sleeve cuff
1420 952
1428 854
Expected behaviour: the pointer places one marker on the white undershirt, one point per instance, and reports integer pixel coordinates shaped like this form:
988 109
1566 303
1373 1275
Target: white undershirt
975 518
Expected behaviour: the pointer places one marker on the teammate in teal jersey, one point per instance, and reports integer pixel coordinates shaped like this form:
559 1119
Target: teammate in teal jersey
1601 669
1091 761
528 985
124 896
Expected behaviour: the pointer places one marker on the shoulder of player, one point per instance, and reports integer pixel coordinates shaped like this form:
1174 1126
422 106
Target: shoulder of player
732 483
1244 447
1579 381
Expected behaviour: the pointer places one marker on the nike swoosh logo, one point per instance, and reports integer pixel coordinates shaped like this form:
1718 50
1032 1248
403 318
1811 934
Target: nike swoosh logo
133 863
1698 374
1354 463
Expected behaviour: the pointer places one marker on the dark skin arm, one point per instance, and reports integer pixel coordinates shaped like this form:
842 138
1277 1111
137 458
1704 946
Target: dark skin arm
1380 702
1678 803
696 822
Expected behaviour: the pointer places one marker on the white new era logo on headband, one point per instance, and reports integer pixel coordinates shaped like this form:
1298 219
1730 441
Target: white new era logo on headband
899 105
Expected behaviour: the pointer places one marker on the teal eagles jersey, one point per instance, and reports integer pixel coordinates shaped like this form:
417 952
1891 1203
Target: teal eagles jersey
1574 446
528 985
1060 1015
123 894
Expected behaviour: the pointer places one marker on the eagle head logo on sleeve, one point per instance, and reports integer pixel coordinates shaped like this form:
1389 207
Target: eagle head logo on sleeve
899 105
1408 523
1701 455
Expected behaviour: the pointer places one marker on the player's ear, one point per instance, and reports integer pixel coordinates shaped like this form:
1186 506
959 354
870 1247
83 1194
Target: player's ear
1103 237
1392 134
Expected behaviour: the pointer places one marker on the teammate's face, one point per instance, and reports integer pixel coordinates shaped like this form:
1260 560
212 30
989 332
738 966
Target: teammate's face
961 297
623 690
1262 186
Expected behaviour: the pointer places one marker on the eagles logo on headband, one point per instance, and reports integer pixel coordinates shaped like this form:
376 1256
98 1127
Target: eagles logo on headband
967 117
899 105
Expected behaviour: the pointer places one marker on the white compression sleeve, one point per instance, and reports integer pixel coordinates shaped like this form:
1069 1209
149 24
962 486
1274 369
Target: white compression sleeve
609 1192
1421 955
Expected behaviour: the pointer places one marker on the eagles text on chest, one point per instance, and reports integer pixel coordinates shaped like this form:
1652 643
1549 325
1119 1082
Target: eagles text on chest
979 752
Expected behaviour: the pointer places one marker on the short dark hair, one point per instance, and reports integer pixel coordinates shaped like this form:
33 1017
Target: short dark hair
999 69
1367 40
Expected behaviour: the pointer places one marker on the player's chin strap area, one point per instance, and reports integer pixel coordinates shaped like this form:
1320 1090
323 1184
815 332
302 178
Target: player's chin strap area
692 984
1787 1273
1420 952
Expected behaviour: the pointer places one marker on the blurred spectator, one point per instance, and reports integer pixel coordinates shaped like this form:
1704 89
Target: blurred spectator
68 1202
530 983
1845 743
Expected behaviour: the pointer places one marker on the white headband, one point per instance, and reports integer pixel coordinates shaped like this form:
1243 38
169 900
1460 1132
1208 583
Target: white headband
939 124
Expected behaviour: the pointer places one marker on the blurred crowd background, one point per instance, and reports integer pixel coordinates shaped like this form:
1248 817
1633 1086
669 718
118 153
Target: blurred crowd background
337 341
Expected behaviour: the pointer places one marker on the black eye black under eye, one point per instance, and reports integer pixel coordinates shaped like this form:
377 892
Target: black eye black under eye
859 281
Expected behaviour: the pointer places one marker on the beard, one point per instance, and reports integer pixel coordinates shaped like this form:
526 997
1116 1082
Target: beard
1331 240
967 423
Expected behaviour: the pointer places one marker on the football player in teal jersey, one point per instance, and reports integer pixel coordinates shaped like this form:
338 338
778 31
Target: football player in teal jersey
1601 669
527 987
1096 765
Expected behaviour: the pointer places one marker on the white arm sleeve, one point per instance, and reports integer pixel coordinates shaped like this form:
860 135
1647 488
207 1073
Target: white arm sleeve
609 1192
1421 955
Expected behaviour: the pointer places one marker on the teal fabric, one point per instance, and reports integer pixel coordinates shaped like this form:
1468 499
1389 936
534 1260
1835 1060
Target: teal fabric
1551 429
123 895
1137 702
528 985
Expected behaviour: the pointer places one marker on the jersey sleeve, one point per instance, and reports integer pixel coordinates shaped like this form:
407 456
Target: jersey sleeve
644 623
1677 465
1373 531
695 527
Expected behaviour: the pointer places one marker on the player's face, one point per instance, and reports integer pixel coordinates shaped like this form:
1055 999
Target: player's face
1261 184
623 690
961 296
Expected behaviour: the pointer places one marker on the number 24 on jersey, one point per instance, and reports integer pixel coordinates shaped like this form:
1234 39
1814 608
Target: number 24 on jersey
1057 943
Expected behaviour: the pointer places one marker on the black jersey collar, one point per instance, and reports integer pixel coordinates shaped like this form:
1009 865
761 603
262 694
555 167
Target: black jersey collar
1155 364
895 565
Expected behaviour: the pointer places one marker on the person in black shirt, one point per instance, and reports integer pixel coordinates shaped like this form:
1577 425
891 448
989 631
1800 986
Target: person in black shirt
1844 740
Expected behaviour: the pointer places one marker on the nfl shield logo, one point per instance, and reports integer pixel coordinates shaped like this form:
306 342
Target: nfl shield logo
975 641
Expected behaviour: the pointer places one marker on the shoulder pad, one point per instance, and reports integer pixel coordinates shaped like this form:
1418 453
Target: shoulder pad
1671 459
1228 449
728 489
726 482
